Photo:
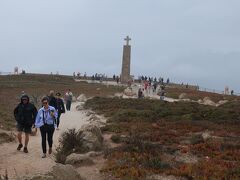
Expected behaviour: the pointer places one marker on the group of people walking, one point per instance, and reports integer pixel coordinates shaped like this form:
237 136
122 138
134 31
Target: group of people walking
47 118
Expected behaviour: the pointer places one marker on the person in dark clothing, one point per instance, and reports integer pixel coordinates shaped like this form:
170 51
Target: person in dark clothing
154 86
25 114
68 99
52 99
46 121
60 108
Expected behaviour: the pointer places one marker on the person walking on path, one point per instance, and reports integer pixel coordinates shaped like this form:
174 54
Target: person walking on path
52 99
25 114
60 108
46 121
68 99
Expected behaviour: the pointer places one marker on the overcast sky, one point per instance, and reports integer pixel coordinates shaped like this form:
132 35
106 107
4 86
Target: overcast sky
195 41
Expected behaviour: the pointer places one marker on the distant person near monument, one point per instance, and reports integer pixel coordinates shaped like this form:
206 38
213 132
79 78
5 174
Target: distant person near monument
140 93
68 99
25 114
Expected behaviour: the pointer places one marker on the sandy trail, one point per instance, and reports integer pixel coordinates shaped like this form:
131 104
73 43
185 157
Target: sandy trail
18 163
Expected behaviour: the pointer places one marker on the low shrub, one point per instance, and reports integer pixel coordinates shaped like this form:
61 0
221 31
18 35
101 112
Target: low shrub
69 142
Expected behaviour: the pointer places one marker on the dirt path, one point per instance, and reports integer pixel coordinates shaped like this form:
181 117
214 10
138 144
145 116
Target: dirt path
18 163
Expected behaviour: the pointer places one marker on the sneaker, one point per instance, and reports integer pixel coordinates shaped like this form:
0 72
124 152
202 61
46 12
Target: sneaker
50 151
44 156
19 147
25 150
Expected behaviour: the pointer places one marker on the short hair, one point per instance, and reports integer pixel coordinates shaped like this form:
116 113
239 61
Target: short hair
45 99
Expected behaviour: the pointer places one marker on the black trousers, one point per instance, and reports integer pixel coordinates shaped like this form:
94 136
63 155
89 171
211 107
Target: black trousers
47 135
58 119
68 105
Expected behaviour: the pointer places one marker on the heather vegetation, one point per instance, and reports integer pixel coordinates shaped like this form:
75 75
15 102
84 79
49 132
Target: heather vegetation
183 139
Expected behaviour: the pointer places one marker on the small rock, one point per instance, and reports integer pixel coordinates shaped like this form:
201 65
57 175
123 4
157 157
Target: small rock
206 135
65 172
186 158
82 98
182 96
163 177
118 95
91 137
200 101
89 113
208 101
129 92
79 160
74 99
94 118
80 107
222 102
94 154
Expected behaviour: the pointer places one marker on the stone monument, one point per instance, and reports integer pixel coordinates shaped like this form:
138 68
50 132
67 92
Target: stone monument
126 62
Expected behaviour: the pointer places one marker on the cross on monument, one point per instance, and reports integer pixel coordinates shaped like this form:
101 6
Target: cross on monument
127 39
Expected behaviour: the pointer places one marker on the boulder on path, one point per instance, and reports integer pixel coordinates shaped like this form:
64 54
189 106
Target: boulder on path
119 95
129 92
91 137
208 101
187 158
222 102
74 99
82 98
79 160
80 107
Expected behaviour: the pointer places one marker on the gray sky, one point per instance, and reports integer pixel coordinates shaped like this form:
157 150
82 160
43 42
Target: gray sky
195 41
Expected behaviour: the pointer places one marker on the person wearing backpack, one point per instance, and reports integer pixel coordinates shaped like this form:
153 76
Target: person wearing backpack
60 108
25 114
46 121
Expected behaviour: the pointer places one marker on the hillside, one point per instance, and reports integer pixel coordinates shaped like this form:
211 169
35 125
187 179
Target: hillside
36 86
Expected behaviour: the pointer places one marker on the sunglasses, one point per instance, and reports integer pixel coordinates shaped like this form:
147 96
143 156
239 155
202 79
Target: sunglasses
44 103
